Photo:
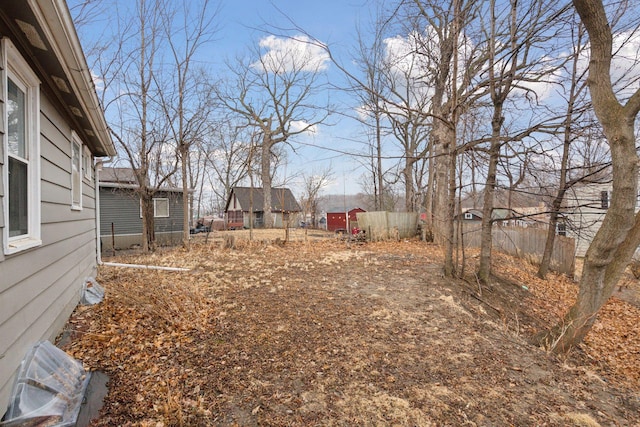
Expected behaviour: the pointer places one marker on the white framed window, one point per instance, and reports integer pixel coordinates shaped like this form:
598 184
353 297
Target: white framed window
21 143
87 164
561 229
468 215
76 172
161 208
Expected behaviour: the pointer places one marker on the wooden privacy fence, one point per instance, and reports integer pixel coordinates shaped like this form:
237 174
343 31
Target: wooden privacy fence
527 243
388 225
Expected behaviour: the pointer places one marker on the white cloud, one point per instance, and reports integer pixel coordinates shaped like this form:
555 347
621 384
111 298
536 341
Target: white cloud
400 54
299 126
625 66
293 53
541 80
625 63
98 82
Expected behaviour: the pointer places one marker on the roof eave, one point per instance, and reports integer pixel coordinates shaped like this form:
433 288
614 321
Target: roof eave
61 33
128 186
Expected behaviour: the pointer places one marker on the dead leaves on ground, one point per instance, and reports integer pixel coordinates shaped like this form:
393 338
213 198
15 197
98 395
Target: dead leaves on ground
613 342
265 334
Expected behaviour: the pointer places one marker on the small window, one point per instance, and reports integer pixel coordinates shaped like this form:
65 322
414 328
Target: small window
604 199
561 229
76 173
87 164
468 215
161 208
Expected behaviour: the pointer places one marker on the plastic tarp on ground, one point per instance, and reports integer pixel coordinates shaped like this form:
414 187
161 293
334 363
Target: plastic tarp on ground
48 390
388 225
92 292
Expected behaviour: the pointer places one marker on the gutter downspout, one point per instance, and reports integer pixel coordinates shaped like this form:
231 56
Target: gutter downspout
98 168
144 267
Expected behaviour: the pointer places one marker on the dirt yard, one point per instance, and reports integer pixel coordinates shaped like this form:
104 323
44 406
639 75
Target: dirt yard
322 332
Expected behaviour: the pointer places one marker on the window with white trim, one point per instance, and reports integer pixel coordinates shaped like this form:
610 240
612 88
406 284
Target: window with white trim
21 143
161 208
87 164
468 215
76 172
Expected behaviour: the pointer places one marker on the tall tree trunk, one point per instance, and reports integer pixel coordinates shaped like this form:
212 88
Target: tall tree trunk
442 147
267 216
428 203
619 236
409 187
381 187
484 267
449 263
556 205
148 223
187 213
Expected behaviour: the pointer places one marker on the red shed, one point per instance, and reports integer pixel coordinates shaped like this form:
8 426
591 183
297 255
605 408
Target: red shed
336 219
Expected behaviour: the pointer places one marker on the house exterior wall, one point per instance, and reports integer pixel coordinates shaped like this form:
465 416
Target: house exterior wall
121 207
41 286
585 213
236 218
279 220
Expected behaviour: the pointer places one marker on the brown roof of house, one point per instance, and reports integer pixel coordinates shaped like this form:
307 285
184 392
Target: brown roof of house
118 175
126 178
282 199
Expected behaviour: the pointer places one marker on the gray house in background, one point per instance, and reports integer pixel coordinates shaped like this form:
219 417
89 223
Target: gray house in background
243 200
585 206
51 128
120 215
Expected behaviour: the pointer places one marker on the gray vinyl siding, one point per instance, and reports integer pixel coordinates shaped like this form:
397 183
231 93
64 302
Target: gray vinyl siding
120 207
585 213
40 287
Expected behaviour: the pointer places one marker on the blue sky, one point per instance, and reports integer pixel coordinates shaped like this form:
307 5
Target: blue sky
332 22
242 24
329 20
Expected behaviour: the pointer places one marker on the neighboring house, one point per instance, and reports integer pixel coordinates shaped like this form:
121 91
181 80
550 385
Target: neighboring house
337 220
585 206
500 216
471 215
51 128
534 216
121 216
520 208
243 200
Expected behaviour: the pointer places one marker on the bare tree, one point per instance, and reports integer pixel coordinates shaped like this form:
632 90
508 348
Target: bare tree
151 106
127 69
185 91
229 155
619 236
513 33
575 91
451 71
313 185
370 93
274 92
404 78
